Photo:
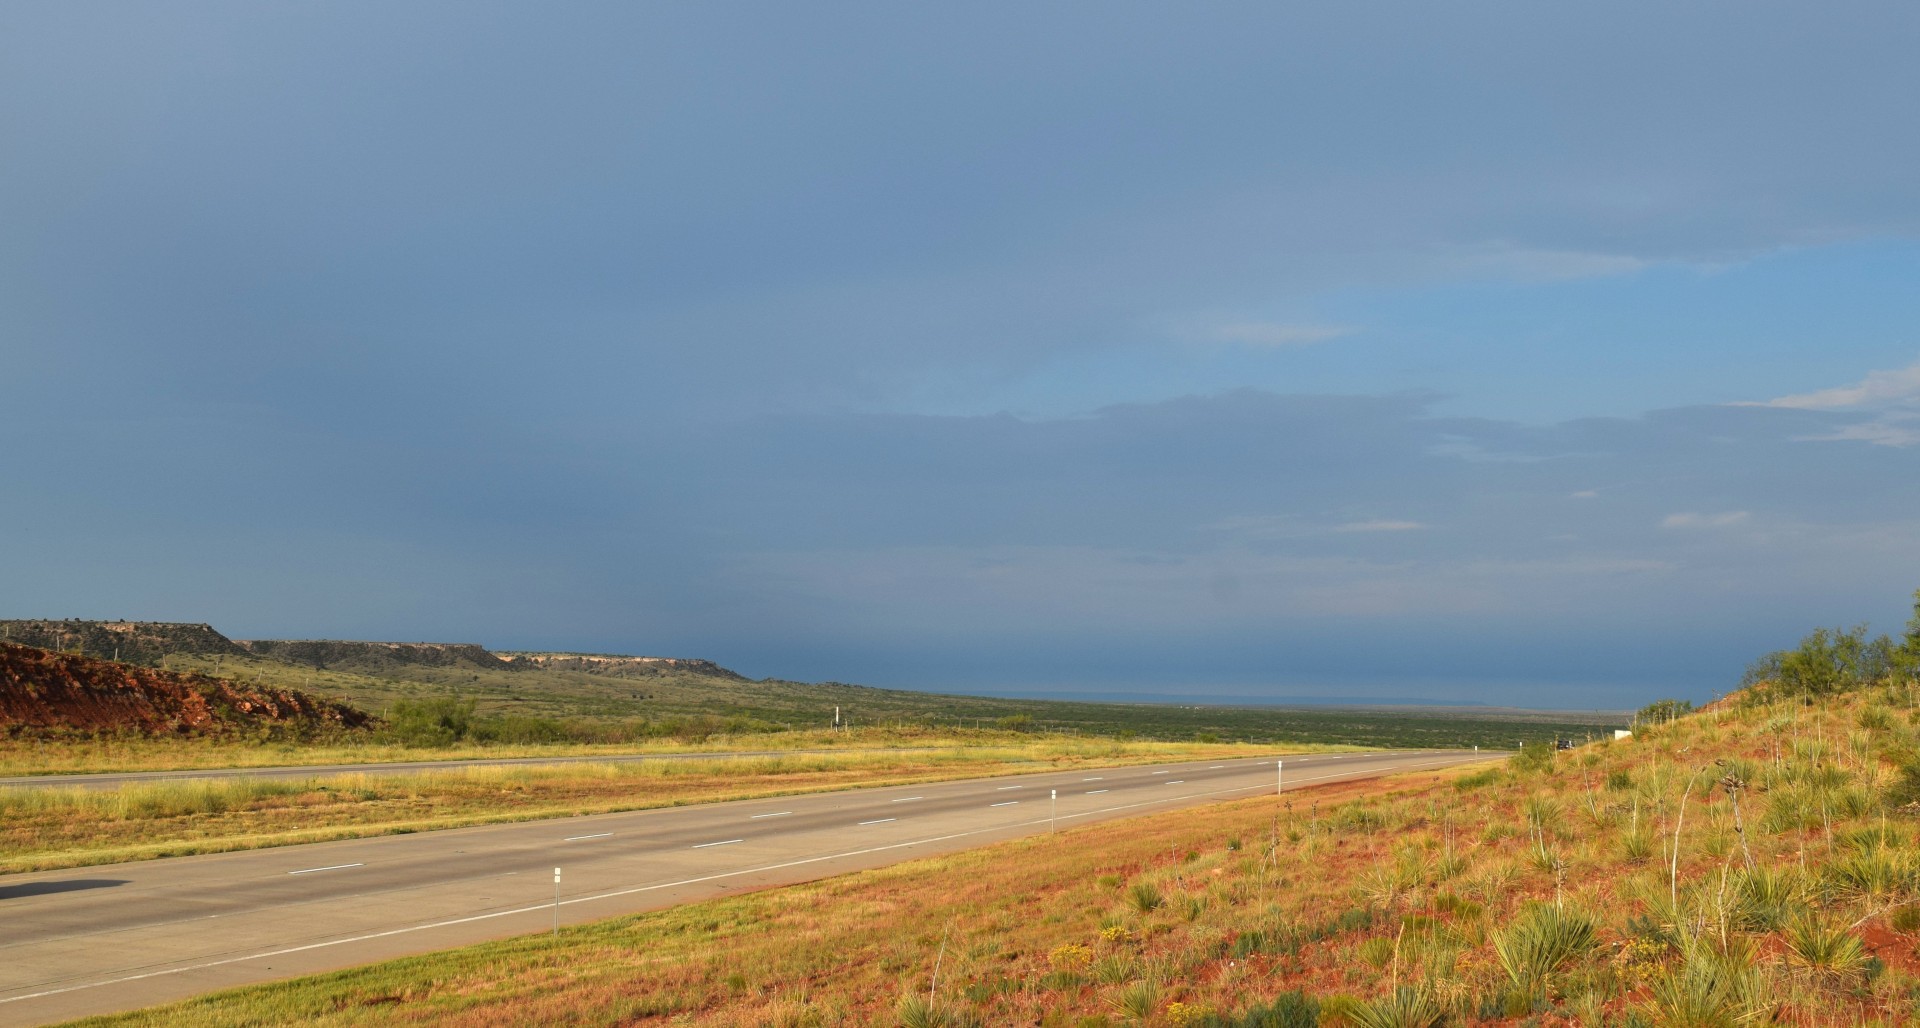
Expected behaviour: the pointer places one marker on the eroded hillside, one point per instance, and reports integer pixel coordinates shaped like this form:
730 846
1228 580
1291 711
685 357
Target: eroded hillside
43 692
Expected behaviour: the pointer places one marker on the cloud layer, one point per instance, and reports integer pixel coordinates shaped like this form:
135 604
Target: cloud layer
1402 349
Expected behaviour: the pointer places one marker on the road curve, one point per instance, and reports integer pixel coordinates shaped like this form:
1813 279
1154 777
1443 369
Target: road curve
116 937
115 779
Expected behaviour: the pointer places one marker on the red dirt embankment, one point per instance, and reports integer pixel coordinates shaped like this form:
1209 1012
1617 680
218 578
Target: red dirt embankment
59 693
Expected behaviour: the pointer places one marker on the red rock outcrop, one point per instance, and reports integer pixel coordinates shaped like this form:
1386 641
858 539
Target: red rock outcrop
50 693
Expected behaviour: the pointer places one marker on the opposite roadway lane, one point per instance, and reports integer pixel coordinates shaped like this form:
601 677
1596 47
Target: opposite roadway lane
114 937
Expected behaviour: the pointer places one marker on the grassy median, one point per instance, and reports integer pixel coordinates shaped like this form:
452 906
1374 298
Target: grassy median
43 828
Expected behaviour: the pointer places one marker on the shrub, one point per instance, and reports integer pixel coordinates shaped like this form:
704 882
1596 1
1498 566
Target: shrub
1533 757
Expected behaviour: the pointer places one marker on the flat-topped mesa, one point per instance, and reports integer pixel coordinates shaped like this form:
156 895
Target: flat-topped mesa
346 653
45 693
620 665
131 642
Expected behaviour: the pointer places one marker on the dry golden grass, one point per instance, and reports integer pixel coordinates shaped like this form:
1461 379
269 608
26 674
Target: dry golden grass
81 755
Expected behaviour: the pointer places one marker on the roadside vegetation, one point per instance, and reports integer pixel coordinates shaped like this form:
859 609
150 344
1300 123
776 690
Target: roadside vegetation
1753 862
48 827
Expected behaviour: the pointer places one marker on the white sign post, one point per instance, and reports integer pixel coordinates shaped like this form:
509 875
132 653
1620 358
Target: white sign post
556 902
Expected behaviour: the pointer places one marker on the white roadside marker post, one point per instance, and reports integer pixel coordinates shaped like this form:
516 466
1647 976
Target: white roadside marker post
1053 809
556 903
1279 777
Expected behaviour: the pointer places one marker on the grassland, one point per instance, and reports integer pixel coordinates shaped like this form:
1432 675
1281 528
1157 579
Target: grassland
52 827
1753 863
687 705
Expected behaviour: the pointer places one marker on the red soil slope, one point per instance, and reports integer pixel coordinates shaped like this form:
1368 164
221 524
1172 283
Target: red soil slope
44 692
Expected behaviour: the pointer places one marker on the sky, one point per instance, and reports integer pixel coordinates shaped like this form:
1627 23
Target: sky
1480 352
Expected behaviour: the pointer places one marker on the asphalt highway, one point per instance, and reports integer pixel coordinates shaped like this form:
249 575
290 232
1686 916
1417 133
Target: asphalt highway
116 937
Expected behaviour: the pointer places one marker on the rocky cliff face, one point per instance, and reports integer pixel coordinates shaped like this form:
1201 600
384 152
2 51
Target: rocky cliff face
620 666
374 656
135 642
43 692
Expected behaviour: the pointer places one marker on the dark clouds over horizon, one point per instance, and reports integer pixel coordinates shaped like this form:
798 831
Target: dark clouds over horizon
1399 351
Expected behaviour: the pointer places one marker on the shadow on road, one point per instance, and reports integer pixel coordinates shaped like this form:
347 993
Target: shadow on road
25 889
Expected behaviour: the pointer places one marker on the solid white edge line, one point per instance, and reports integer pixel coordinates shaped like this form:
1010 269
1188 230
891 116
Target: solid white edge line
330 867
616 894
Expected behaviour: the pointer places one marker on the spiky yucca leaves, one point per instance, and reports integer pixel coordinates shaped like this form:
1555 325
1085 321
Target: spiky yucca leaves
1877 874
1540 942
1145 897
1712 988
919 1012
1766 899
1826 951
1138 1001
1405 1008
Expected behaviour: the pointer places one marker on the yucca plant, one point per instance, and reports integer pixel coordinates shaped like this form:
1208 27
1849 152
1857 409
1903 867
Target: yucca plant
1116 969
1764 899
1540 942
1138 1001
1145 897
1875 874
920 1012
1710 990
1826 951
1405 1008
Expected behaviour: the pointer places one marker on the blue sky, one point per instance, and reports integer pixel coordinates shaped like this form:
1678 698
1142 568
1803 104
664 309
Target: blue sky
1471 352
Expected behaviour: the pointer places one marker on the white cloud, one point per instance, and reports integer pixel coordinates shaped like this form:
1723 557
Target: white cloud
1879 389
1691 519
1276 335
1380 525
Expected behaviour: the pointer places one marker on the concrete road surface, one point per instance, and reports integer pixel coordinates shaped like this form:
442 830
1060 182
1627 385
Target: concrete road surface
121 936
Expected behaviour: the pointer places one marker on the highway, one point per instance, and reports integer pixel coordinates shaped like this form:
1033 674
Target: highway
116 937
